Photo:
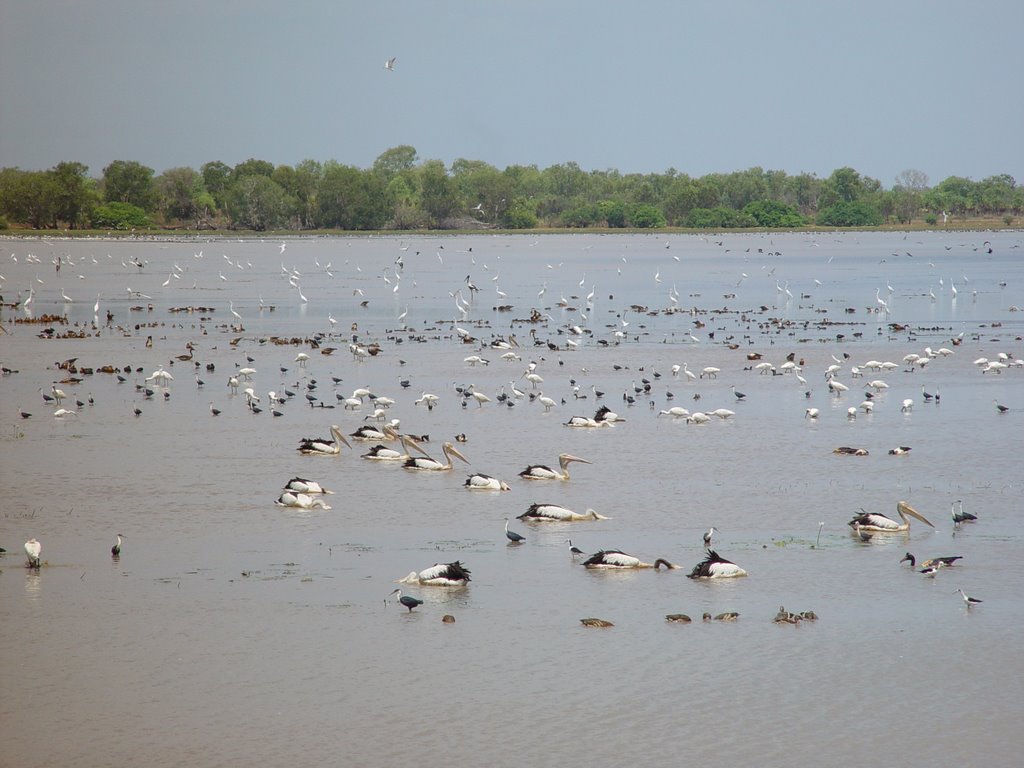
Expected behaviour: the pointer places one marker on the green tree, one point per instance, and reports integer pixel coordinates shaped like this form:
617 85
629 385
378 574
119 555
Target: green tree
350 199
844 185
217 180
256 202
439 195
252 167
394 161
74 193
128 181
907 195
300 183
179 190
29 197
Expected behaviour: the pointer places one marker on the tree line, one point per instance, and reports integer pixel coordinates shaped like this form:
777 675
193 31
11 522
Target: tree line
400 192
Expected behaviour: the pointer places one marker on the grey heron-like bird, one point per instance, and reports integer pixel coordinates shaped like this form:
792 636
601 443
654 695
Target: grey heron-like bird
115 551
515 538
408 601
707 536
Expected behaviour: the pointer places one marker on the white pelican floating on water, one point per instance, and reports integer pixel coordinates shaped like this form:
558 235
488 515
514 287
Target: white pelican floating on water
32 549
429 464
301 485
481 482
613 558
714 566
380 434
544 472
872 521
381 452
587 422
300 501
322 446
555 513
439 575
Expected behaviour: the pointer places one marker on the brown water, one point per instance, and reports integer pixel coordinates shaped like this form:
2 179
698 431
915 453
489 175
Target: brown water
234 632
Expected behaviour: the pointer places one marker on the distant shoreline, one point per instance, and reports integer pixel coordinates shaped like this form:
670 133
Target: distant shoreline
968 225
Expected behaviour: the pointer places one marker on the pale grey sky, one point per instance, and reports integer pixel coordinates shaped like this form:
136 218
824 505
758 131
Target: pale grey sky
699 86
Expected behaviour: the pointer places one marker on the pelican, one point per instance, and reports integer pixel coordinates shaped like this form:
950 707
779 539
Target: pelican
482 482
300 501
587 422
613 558
429 464
321 446
715 567
381 452
380 434
606 415
32 549
115 551
439 575
555 513
542 472
872 521
515 538
301 485
943 562
408 601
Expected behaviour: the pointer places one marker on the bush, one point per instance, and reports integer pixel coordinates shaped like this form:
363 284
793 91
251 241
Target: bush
519 216
769 213
119 216
931 219
3 223
644 216
850 214
719 218
1008 219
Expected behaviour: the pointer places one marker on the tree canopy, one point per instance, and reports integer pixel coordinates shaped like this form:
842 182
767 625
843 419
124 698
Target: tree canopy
401 191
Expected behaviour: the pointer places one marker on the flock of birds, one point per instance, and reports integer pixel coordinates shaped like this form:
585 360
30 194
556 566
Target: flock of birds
387 443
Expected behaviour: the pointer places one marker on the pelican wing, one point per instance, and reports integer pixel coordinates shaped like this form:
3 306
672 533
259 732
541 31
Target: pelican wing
538 472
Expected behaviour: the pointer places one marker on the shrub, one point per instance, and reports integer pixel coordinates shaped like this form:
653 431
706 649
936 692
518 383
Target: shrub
853 213
931 219
119 216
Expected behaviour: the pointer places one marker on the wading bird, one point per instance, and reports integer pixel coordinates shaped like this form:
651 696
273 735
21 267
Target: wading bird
32 549
115 551
515 538
968 600
408 601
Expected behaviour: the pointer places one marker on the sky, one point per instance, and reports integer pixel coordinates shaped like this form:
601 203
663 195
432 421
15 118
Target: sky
638 87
